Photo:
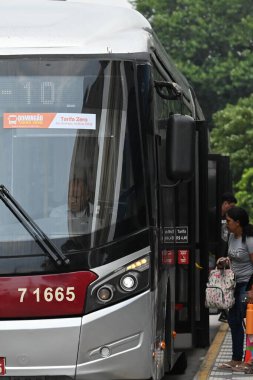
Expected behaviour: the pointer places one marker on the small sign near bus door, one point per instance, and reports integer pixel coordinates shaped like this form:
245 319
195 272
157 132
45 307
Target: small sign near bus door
181 234
176 235
168 257
183 256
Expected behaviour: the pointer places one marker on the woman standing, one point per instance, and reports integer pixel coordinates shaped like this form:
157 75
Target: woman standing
240 252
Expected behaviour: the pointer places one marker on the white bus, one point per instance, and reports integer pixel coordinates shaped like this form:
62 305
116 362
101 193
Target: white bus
103 190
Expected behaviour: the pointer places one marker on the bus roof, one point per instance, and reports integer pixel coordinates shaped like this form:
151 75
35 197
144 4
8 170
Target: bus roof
72 27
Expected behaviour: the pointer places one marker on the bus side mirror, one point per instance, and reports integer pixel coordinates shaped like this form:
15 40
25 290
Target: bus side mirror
180 147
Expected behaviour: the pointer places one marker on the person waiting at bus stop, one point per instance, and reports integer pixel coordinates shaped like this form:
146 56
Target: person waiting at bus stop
247 366
240 252
228 200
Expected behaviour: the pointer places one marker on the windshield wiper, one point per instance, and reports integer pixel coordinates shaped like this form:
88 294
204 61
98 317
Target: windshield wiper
34 230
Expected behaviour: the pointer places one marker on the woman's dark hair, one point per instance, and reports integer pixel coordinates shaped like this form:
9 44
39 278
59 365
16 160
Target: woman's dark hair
228 197
241 215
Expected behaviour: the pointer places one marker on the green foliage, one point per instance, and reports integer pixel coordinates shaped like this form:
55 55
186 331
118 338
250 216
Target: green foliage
233 135
245 191
211 43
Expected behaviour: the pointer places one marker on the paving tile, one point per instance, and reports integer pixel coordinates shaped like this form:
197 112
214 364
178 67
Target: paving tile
225 355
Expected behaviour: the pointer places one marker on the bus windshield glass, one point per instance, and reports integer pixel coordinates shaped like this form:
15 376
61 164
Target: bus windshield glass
69 140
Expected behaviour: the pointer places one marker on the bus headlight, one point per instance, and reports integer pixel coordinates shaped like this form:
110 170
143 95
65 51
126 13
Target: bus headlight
128 282
122 283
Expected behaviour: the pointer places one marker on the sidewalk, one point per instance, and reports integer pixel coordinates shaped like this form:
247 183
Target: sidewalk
219 352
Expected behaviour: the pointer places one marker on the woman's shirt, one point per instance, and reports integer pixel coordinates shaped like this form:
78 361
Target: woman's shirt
238 252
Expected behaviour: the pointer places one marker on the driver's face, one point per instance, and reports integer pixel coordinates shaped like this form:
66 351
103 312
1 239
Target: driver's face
77 196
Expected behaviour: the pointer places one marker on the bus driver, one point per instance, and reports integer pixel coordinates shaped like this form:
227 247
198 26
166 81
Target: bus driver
79 209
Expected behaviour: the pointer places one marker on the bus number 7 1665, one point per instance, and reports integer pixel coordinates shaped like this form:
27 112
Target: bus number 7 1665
49 294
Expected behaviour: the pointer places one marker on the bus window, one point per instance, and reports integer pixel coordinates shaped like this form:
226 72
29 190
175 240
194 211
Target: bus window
66 120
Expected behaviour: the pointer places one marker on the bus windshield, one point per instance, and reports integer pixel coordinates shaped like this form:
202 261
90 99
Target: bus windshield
68 152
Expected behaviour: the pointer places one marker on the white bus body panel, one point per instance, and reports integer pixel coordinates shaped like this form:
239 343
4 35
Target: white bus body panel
32 348
50 347
59 27
125 331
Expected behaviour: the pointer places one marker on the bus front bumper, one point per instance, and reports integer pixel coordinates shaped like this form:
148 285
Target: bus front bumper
112 343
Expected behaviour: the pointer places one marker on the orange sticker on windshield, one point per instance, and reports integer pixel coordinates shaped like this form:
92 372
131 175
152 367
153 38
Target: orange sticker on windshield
49 120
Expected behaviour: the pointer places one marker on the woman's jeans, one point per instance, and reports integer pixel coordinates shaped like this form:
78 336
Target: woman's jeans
235 319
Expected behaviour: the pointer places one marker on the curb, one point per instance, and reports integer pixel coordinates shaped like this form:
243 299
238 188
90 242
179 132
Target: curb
212 353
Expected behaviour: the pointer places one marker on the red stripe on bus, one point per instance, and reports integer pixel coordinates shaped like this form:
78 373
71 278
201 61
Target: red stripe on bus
51 295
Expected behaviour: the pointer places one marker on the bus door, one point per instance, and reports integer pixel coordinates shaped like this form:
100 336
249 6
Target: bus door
219 182
180 206
185 246
177 248
192 324
177 233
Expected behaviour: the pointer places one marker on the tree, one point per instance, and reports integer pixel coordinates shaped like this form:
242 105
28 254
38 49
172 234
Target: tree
245 191
233 135
211 43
